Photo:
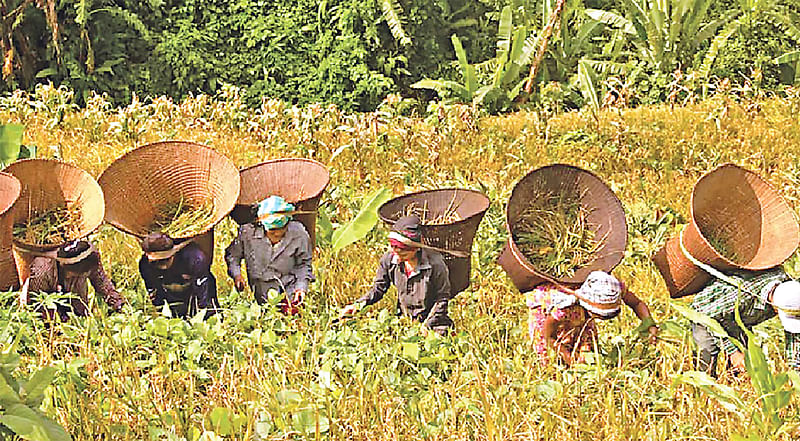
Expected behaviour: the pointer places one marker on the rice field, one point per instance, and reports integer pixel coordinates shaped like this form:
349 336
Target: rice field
252 374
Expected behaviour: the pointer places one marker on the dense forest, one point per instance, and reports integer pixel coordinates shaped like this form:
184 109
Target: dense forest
354 52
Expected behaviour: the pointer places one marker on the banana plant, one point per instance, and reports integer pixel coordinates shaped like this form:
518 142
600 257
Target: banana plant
514 50
749 11
664 32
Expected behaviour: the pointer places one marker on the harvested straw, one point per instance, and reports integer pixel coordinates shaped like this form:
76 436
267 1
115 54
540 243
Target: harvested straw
52 227
554 235
183 220
448 216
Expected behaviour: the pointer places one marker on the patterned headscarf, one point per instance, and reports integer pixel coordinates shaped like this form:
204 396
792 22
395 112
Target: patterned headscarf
600 294
268 208
405 233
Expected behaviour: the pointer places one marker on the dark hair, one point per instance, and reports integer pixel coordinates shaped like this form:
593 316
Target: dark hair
157 241
244 214
73 249
408 226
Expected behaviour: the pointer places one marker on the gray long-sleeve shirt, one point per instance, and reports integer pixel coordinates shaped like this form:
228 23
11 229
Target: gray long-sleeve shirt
288 261
422 295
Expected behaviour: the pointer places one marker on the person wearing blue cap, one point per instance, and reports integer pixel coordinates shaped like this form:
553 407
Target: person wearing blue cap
276 251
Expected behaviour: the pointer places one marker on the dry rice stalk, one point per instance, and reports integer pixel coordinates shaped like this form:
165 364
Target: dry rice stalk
555 236
52 227
448 216
179 220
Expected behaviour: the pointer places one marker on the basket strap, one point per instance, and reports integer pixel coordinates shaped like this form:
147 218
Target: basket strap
735 281
406 241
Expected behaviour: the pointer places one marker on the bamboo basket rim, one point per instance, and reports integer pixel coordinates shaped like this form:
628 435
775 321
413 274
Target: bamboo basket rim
91 182
293 159
17 190
485 203
618 255
768 185
161 144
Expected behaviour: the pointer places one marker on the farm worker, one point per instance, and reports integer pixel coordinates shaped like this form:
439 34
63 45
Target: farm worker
419 273
67 272
277 251
564 319
178 274
763 295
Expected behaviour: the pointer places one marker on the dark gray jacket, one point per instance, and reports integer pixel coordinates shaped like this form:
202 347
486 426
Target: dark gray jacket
288 261
423 295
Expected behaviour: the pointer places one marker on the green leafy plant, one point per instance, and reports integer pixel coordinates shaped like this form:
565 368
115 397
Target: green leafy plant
21 397
772 390
363 222
663 33
514 50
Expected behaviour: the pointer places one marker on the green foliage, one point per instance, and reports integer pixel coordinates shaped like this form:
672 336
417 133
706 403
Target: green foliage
21 397
10 143
772 390
350 52
363 222
514 51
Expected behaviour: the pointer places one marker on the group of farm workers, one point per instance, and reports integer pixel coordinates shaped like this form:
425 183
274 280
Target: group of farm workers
277 252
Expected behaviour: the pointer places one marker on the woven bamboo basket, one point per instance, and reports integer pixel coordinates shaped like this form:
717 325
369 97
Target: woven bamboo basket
141 182
46 184
605 214
300 181
10 189
470 206
739 213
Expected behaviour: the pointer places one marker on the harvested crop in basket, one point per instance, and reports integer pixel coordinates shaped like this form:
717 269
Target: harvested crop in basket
52 227
722 246
555 236
183 220
448 216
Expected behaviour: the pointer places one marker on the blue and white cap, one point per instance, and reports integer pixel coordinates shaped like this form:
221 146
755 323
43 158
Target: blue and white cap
271 212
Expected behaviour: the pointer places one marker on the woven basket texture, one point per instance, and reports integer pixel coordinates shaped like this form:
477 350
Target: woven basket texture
735 207
605 215
48 183
470 206
143 181
10 189
300 181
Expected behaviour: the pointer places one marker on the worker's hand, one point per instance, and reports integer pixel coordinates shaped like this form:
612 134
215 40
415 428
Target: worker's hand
653 330
737 361
299 296
239 283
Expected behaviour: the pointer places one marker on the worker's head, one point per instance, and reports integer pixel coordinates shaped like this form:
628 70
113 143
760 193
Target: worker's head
77 257
786 300
600 295
405 238
274 215
160 250
244 214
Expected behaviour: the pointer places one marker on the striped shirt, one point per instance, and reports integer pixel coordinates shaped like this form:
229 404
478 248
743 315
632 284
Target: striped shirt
718 301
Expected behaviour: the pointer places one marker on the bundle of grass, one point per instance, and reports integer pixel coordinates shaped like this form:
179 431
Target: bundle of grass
181 219
448 216
51 227
554 235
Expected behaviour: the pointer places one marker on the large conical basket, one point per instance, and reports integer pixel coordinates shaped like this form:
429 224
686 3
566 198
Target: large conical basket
738 221
47 184
470 207
140 183
605 215
10 189
300 181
